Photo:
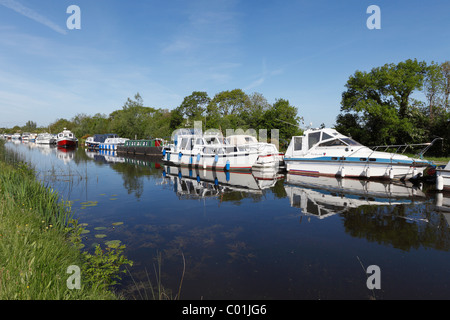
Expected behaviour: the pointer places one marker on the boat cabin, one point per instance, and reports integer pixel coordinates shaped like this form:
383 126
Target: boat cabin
318 139
241 139
66 134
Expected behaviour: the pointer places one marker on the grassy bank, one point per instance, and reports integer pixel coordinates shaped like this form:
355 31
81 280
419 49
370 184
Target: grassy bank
38 244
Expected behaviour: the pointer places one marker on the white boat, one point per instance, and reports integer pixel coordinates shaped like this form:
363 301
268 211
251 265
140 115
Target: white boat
94 142
112 143
16 136
268 154
66 139
45 138
211 150
443 178
326 152
25 136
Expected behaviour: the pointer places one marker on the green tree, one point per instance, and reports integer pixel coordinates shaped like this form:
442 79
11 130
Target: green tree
284 117
132 120
194 106
382 100
253 114
176 118
446 73
59 125
434 84
30 126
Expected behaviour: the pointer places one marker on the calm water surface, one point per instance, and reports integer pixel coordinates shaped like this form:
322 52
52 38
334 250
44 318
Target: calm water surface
244 236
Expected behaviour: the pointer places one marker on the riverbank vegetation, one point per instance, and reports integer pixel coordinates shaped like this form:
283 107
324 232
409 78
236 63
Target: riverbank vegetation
39 242
397 103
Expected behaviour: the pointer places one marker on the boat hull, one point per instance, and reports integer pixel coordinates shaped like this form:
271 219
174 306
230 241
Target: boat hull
231 162
443 180
66 143
367 170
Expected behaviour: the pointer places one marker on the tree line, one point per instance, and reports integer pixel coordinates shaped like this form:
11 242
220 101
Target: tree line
232 109
407 102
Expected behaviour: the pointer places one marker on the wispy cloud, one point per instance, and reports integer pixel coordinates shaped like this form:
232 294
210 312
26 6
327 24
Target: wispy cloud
263 76
30 13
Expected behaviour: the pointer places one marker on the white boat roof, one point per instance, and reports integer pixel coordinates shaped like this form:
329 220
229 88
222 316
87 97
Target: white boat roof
239 139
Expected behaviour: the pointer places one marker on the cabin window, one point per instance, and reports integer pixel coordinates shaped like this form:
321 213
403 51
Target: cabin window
297 143
183 143
313 138
199 141
332 143
326 136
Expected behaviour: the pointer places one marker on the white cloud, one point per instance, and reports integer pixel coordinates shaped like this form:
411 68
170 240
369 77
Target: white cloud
30 13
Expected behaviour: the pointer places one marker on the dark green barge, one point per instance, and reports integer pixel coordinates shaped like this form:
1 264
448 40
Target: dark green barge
151 147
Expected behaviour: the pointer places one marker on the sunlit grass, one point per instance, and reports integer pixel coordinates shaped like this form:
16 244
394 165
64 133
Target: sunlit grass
34 248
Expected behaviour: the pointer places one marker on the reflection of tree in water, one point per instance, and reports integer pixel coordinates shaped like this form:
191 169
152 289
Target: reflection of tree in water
404 227
133 176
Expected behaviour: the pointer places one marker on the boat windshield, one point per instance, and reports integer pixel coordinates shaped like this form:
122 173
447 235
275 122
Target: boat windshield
351 142
332 143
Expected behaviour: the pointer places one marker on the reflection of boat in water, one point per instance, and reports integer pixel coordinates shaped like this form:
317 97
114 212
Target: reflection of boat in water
108 156
65 154
199 183
326 196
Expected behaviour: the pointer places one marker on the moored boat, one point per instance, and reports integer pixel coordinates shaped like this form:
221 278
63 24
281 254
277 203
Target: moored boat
66 139
16 136
326 152
150 147
45 138
94 141
443 178
112 143
212 151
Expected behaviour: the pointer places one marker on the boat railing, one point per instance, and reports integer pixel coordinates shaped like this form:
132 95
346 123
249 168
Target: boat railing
401 148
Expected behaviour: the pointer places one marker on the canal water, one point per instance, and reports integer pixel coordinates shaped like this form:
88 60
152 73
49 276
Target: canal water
253 236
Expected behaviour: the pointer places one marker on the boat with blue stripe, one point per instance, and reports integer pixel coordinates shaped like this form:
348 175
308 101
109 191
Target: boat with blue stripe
326 152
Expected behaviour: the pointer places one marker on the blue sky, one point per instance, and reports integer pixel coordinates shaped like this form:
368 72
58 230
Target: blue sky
302 51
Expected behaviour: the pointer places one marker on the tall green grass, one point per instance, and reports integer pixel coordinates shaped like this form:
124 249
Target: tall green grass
34 248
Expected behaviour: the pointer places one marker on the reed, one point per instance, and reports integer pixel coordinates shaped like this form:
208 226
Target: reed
156 288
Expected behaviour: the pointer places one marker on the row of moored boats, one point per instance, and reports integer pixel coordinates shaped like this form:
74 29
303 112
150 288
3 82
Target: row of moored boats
318 152
63 139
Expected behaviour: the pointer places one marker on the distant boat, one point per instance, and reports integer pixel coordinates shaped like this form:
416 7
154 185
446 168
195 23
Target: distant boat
94 142
25 136
150 147
16 136
326 152
112 143
45 138
66 139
